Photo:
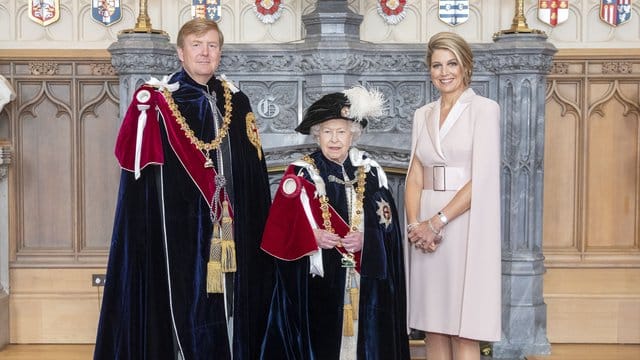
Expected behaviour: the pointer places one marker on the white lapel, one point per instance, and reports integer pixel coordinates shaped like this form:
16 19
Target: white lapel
433 125
454 114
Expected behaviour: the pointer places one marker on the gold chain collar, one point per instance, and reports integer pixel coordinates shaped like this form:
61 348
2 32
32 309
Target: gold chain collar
201 145
359 205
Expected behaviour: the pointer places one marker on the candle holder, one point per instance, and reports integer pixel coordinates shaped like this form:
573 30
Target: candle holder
143 24
519 24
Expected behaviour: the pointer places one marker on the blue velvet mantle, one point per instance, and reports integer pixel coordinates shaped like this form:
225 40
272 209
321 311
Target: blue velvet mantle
305 319
156 305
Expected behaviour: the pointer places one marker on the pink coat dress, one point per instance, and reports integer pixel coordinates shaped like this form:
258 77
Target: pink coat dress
456 290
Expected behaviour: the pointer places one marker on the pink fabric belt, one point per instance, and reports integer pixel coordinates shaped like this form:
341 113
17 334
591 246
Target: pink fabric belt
444 178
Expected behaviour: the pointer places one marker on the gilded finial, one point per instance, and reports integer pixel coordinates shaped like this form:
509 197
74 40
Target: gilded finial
143 24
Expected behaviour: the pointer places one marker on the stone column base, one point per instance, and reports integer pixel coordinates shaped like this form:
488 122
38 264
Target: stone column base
4 319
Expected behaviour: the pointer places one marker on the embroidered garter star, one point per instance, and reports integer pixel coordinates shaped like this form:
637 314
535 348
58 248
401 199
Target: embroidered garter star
384 213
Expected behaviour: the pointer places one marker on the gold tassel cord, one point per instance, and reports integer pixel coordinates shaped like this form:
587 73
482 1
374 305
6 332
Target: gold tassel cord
347 321
350 312
353 291
214 266
354 295
228 243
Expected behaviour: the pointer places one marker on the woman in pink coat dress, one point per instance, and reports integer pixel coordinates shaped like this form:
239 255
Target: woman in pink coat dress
452 203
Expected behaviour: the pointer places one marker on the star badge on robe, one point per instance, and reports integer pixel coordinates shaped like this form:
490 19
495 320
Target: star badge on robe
384 213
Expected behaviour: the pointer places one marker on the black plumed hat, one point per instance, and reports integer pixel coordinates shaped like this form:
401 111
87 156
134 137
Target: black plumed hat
355 104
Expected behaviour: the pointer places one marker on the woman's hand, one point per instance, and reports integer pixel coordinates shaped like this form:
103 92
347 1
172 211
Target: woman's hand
423 237
325 239
353 241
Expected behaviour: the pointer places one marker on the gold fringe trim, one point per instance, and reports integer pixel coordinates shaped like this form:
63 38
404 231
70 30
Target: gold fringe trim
214 277
228 256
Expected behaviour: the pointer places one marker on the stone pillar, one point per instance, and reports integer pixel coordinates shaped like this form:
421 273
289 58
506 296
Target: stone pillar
521 62
138 56
333 31
5 160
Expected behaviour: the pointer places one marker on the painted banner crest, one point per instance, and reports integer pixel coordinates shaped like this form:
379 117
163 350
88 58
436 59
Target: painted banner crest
615 12
553 12
453 12
392 11
44 12
106 12
206 9
268 11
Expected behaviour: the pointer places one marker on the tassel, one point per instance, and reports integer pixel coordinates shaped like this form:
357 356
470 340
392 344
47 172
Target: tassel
228 244
214 266
354 295
228 256
214 277
347 321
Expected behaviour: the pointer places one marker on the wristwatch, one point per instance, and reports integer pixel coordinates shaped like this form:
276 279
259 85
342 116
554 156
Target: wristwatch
443 218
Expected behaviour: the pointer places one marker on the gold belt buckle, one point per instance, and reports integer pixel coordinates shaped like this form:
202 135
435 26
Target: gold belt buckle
439 177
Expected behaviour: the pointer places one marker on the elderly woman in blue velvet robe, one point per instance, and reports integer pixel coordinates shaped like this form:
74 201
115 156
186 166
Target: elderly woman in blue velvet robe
333 226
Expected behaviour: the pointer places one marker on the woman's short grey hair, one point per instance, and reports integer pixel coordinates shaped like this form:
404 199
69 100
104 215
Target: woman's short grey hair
356 131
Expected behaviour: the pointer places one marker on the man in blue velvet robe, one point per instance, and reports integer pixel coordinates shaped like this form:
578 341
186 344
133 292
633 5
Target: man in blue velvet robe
334 230
191 158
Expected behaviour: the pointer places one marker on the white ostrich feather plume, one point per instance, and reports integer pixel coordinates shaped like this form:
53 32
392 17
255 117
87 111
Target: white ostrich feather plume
364 103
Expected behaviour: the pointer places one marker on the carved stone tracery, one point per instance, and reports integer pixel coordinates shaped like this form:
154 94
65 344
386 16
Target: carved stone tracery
617 67
43 68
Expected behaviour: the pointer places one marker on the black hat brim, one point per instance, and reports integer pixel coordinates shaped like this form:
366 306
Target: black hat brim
328 107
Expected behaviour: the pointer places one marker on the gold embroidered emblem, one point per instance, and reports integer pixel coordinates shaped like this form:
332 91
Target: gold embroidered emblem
252 133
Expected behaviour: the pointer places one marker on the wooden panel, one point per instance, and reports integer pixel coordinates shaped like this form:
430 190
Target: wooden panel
612 182
593 305
42 155
47 352
588 281
590 352
57 306
561 168
592 160
592 319
100 170
65 121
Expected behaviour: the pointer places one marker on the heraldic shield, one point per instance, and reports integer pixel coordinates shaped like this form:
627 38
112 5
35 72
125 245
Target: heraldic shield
615 12
392 11
453 12
44 12
106 12
553 12
206 9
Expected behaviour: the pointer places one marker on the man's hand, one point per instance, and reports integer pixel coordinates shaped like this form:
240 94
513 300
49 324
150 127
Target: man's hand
353 241
325 239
